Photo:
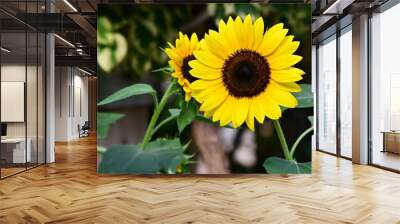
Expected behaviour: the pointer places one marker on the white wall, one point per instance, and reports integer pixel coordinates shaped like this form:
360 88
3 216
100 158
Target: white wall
16 73
61 103
33 126
71 94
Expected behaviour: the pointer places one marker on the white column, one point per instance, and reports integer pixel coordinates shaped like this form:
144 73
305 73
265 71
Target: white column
360 90
50 93
314 90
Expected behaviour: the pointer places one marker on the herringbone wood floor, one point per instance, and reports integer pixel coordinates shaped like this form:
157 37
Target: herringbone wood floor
70 191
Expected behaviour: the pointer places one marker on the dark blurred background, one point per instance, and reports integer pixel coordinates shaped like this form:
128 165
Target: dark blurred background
146 29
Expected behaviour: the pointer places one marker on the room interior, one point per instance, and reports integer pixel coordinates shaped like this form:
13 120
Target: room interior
335 66
22 101
25 99
385 89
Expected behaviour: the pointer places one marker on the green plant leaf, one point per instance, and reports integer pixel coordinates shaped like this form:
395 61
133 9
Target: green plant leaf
311 119
161 155
187 115
112 46
103 28
133 90
174 111
167 69
101 149
104 120
305 97
276 165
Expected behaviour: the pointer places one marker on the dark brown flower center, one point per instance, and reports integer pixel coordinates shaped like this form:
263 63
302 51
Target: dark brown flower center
246 73
186 68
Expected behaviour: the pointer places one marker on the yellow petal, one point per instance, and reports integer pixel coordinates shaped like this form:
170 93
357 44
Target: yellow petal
208 74
203 72
284 61
282 97
180 46
209 113
250 115
227 114
187 97
204 84
173 54
226 33
272 38
290 86
272 109
291 70
214 45
186 42
287 75
239 31
231 33
194 42
215 100
208 59
287 47
259 112
176 74
218 112
258 32
174 65
202 95
241 110
248 31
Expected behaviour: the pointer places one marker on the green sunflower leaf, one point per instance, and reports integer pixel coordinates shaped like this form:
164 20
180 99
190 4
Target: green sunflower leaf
104 120
167 69
133 90
305 98
174 111
161 155
276 165
187 115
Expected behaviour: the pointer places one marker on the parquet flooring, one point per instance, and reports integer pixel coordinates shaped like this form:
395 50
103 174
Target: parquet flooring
70 191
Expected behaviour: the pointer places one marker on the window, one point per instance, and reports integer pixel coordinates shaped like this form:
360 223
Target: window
385 89
327 95
22 101
345 92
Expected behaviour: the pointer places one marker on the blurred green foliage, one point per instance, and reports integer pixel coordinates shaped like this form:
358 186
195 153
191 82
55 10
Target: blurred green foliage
147 28
112 46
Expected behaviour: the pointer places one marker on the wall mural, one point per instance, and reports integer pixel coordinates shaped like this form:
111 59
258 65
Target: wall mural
204 89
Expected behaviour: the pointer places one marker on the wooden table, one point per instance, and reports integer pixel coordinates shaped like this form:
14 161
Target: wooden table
19 154
391 141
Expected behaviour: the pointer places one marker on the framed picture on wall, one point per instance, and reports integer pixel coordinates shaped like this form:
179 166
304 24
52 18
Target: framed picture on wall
204 88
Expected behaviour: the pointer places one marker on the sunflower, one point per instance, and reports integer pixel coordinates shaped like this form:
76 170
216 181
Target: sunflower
245 73
180 55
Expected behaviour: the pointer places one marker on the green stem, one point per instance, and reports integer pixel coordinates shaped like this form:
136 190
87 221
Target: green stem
164 122
282 139
298 140
156 114
154 95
